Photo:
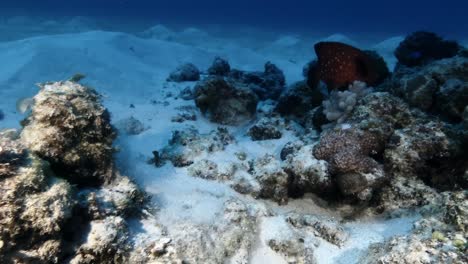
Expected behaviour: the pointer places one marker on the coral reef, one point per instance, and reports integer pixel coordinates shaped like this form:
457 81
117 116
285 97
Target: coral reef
70 129
348 153
422 47
340 103
353 150
224 103
219 67
187 72
207 169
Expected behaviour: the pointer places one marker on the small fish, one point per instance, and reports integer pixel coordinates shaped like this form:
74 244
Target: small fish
340 64
24 104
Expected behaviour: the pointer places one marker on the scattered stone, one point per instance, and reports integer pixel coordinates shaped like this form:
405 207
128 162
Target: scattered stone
219 67
265 129
223 103
327 229
189 145
207 169
185 73
187 94
272 180
187 113
131 126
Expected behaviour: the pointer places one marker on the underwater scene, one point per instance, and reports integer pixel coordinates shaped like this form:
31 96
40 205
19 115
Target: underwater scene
233 132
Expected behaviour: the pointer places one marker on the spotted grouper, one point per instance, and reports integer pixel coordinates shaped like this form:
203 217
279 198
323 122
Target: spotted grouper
339 65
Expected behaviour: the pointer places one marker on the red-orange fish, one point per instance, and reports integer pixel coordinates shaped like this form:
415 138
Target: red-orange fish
339 64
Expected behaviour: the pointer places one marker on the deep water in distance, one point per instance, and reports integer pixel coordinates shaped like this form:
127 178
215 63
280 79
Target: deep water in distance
447 17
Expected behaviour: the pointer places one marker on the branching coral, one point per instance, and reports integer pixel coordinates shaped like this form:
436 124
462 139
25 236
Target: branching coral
340 103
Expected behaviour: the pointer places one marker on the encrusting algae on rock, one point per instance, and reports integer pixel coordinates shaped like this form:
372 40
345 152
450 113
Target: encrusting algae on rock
64 148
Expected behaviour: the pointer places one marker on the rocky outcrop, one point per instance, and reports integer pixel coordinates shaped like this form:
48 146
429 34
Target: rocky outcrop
224 103
57 177
70 128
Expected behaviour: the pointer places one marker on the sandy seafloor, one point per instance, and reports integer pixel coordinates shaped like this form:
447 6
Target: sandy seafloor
131 69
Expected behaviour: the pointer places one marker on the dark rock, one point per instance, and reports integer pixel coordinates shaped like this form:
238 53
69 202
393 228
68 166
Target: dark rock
266 85
2 115
299 99
424 150
224 103
290 148
185 73
131 126
421 47
186 145
187 94
452 99
80 147
265 129
272 179
219 67
440 87
306 172
310 73
379 65
318 117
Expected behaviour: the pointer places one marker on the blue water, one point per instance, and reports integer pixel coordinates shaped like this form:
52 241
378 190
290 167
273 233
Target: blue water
447 17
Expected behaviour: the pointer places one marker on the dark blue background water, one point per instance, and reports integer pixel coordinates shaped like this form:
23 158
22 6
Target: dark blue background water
448 17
